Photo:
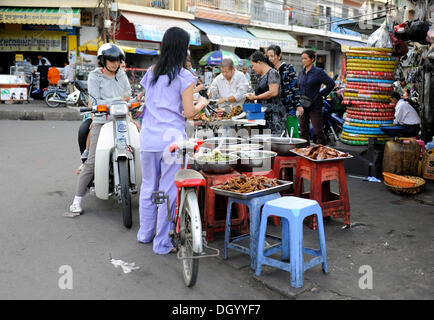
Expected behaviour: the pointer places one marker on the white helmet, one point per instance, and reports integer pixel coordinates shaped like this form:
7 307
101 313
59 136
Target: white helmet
111 52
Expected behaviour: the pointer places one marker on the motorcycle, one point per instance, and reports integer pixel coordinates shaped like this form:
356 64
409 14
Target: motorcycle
117 158
332 123
55 96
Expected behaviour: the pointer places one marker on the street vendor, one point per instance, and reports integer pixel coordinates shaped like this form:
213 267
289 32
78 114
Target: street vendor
406 116
289 94
230 87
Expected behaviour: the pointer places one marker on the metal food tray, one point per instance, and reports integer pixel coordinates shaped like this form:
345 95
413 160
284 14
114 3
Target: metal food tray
283 185
325 160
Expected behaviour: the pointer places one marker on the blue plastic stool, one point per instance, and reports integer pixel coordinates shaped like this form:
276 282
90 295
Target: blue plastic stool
254 205
292 210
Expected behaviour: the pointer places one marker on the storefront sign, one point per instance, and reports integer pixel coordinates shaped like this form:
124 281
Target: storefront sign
45 41
285 46
234 42
156 32
56 16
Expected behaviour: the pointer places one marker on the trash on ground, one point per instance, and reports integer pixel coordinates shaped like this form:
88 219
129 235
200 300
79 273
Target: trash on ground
127 267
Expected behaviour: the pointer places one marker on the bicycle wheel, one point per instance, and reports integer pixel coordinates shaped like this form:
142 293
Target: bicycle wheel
191 234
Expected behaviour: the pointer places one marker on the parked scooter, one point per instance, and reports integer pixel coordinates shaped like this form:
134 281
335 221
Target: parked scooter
117 157
55 96
332 120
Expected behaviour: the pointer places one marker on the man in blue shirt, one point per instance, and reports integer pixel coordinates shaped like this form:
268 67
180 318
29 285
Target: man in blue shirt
310 81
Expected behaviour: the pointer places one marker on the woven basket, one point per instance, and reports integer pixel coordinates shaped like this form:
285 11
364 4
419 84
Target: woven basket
418 187
398 181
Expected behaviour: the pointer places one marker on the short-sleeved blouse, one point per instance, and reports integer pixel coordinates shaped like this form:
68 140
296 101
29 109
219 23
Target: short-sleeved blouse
271 77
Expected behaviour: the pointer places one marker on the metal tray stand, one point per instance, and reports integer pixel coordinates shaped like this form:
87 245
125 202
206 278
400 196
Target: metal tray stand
283 185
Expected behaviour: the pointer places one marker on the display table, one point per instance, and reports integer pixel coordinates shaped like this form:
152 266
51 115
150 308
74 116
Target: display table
14 92
13 88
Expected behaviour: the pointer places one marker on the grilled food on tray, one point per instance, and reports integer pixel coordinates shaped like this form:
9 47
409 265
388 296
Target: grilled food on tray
235 111
221 115
243 184
320 152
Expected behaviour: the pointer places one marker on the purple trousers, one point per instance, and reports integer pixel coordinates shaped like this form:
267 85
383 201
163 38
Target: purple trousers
158 173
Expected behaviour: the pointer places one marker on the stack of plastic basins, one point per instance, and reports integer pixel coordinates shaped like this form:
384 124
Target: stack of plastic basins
253 111
368 85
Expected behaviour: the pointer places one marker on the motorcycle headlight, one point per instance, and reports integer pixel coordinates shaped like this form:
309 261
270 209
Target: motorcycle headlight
119 109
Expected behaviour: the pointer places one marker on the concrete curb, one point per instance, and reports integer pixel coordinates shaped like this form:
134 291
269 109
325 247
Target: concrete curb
31 112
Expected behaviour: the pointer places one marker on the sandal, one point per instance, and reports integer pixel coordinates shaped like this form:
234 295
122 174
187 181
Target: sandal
174 250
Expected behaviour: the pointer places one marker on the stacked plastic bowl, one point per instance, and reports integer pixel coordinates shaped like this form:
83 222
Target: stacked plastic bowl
369 74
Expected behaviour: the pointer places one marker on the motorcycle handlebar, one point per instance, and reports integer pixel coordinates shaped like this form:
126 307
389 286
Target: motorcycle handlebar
85 109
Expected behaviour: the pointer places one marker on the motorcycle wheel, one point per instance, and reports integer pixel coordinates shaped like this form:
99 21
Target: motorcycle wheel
50 103
190 267
124 180
83 100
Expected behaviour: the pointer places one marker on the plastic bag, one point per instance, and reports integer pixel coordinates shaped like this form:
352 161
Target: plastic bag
380 38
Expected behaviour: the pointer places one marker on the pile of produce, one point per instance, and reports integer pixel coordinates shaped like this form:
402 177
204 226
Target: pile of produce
243 184
320 152
369 74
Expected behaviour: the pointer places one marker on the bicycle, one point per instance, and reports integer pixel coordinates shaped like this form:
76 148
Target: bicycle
187 238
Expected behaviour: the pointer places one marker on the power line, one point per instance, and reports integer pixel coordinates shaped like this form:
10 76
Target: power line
359 16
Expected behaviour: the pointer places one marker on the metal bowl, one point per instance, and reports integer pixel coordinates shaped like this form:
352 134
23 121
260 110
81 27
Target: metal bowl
254 160
192 159
213 143
263 139
217 167
283 146
241 147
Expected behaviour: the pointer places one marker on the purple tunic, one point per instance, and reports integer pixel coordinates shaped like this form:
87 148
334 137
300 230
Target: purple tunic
163 121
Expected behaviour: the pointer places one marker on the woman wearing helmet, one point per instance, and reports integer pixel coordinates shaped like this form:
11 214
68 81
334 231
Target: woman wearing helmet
105 85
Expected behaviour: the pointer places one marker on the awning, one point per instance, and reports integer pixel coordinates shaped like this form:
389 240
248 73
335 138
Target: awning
227 35
364 27
91 47
152 28
269 37
47 16
345 44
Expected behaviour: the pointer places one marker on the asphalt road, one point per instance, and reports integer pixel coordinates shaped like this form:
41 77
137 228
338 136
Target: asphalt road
37 173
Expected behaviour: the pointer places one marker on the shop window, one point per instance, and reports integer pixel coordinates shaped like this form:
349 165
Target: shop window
345 12
64 44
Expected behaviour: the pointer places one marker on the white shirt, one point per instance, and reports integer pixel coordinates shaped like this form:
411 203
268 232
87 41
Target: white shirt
222 88
405 114
68 72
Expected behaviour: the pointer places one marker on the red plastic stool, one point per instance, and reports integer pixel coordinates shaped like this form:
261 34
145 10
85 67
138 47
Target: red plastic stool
269 174
320 174
212 212
281 172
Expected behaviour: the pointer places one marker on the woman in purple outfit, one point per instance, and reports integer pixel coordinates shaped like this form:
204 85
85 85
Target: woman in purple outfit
168 92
